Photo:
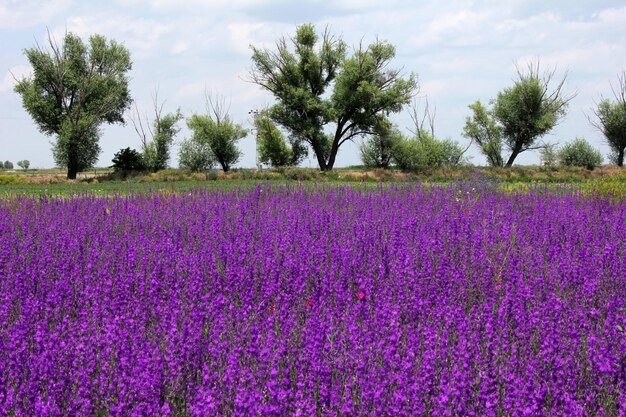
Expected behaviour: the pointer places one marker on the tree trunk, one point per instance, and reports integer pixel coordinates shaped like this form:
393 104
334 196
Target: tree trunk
514 154
331 158
72 170
620 157
319 154
72 158
334 149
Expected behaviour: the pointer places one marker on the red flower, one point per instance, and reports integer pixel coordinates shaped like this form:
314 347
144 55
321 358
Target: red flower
309 303
272 309
360 295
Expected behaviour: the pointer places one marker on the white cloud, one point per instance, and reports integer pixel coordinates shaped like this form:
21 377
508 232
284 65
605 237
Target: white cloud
613 15
180 47
137 33
241 35
542 20
434 87
462 20
462 27
19 14
198 6
366 5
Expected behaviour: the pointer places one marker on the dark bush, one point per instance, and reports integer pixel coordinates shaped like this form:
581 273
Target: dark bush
128 160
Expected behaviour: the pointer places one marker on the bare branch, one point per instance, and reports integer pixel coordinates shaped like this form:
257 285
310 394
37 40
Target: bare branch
138 126
620 92
420 120
158 109
216 105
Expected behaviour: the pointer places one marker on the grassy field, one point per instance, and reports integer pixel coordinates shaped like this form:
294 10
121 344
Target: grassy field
605 180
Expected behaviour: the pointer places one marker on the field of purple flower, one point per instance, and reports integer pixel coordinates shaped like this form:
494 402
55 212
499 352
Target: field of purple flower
319 301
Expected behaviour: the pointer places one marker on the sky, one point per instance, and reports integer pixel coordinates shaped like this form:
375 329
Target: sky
461 51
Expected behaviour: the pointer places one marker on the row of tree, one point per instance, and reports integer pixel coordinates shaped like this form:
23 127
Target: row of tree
213 140
325 97
24 164
525 112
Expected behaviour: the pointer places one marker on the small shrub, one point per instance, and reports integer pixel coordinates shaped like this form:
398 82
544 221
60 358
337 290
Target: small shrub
9 179
549 156
580 153
195 156
427 152
127 160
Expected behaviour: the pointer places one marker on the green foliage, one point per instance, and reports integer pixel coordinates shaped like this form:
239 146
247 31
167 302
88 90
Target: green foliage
481 127
362 89
156 152
127 159
273 148
220 134
521 114
611 121
377 150
77 146
613 188
7 165
24 164
74 89
549 156
195 155
426 152
580 153
8 179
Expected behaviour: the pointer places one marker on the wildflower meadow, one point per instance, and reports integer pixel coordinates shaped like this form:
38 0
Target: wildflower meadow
458 300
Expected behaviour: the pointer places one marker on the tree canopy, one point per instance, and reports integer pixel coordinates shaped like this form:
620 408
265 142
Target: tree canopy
378 150
273 148
75 87
318 86
520 115
157 136
482 129
218 132
611 120
195 155
580 153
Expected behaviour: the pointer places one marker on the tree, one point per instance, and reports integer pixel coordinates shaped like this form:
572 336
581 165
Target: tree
549 156
73 90
195 155
377 151
424 150
273 148
581 154
8 165
24 164
127 160
218 132
521 114
481 127
611 120
317 86
157 140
